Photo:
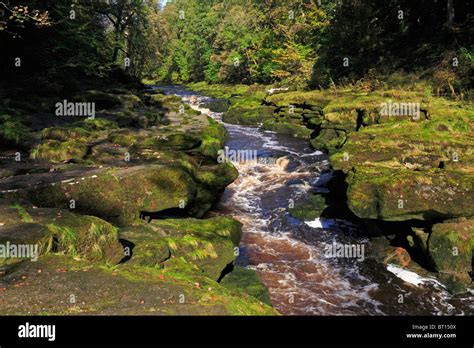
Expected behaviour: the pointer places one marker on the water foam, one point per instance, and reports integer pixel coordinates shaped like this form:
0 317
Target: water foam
300 279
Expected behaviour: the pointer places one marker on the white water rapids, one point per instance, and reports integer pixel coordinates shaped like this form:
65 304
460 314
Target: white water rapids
288 254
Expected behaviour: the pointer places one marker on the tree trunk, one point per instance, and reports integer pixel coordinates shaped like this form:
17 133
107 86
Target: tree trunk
450 10
115 55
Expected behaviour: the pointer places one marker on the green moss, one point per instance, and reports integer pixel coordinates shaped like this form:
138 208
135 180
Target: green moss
176 141
115 196
399 159
217 177
174 245
64 133
99 124
60 151
309 209
24 215
171 259
246 101
228 91
125 137
159 99
83 236
59 231
248 116
247 281
319 98
150 247
130 101
451 245
375 192
295 130
121 290
329 139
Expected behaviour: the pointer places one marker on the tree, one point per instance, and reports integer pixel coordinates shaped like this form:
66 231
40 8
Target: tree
16 16
122 15
450 11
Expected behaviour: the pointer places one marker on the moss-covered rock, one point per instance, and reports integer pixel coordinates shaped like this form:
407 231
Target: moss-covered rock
411 170
384 250
59 231
60 151
117 194
399 168
246 280
206 245
101 99
295 130
209 244
451 245
204 140
213 138
211 181
160 99
48 285
130 101
245 102
329 139
148 246
178 141
98 124
444 251
172 163
71 142
250 115
376 192
315 98
309 208
217 105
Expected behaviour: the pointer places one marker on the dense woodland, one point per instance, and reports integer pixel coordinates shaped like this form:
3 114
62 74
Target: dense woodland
301 43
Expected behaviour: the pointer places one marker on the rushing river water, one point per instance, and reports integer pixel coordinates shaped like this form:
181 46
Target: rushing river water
289 254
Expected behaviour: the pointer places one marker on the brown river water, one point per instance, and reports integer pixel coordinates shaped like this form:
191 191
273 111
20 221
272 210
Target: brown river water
289 255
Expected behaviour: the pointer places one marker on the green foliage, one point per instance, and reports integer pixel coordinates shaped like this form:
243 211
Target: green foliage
238 41
304 43
12 130
195 248
24 215
59 151
296 43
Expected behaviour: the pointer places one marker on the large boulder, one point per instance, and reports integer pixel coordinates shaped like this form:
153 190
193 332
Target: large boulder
410 170
116 195
247 280
375 192
59 231
207 246
451 246
119 194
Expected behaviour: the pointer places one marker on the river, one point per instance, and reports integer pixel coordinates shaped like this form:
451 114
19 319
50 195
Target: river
289 254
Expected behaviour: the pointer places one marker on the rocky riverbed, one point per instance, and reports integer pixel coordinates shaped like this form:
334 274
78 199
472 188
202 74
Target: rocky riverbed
403 167
77 187
400 186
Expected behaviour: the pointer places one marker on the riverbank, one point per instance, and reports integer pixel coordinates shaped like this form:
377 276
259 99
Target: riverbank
77 186
155 138
403 161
